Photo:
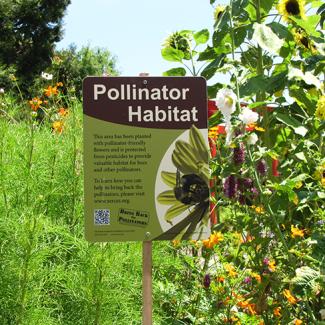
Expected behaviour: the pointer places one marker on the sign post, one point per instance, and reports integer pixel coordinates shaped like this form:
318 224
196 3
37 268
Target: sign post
146 168
147 283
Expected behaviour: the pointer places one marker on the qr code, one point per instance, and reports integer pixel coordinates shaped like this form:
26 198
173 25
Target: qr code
102 217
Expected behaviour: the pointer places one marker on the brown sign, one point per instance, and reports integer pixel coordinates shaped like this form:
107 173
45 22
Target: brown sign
150 102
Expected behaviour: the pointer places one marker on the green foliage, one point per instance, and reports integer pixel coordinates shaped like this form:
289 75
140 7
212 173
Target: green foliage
267 181
71 66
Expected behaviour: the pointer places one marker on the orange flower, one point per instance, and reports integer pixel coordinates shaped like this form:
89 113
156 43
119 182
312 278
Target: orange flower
292 299
57 126
298 322
246 238
49 91
214 239
35 103
231 270
296 232
220 279
63 111
257 277
277 312
175 242
246 304
59 84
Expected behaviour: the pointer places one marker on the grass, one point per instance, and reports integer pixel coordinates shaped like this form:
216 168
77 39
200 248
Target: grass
49 274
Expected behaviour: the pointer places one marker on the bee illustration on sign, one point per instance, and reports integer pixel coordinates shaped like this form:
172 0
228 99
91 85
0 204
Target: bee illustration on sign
189 189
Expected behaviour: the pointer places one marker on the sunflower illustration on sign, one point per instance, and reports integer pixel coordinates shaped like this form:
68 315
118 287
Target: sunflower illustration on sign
189 188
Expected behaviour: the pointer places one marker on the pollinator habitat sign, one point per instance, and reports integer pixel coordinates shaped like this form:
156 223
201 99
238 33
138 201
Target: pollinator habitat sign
145 158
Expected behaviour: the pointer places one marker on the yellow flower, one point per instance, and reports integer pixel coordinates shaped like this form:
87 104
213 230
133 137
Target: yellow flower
289 8
257 277
298 185
59 84
295 200
213 132
277 312
258 209
231 270
218 12
320 110
291 299
214 239
296 232
49 91
35 103
272 266
57 126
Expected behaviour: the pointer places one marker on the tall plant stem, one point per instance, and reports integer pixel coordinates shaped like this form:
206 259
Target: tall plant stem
29 160
261 95
25 271
267 205
233 45
2 183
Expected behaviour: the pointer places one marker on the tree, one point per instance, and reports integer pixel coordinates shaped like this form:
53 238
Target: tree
71 66
29 30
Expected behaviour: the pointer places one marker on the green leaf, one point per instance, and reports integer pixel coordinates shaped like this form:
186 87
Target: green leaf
281 30
213 89
211 69
302 98
201 37
266 6
240 35
276 82
221 41
292 122
171 54
309 24
175 72
208 54
267 39
253 85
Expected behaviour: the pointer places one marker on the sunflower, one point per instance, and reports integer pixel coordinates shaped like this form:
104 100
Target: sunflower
218 12
189 188
289 8
180 41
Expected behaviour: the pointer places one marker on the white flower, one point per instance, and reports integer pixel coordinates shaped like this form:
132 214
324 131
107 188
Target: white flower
247 116
252 138
322 314
2 91
47 76
226 102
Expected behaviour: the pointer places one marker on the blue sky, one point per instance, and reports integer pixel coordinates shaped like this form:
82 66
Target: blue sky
133 30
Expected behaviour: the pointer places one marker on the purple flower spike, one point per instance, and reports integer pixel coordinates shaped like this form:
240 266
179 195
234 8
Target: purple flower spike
262 167
207 281
239 155
230 186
